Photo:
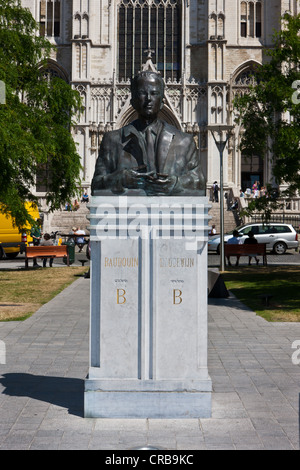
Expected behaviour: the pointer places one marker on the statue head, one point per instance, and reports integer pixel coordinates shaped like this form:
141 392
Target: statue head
147 92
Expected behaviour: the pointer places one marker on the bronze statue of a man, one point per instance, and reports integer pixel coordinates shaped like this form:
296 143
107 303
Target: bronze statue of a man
148 154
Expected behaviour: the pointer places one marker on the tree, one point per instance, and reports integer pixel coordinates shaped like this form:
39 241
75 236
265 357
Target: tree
35 120
270 114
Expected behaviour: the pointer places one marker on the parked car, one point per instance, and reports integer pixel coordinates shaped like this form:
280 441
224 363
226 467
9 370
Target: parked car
278 237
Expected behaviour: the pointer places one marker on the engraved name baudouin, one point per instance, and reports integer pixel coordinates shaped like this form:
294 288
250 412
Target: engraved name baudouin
149 153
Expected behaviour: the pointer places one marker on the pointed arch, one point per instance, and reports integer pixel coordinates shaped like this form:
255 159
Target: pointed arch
53 69
243 70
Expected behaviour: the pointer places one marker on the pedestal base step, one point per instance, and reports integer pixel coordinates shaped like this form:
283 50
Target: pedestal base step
147 404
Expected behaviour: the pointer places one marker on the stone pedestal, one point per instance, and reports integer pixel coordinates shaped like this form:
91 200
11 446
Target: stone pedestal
148 326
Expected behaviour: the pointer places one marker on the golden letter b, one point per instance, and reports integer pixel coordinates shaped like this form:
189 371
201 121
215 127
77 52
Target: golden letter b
177 299
121 299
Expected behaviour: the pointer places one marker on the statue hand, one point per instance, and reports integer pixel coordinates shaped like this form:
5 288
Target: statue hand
132 179
162 184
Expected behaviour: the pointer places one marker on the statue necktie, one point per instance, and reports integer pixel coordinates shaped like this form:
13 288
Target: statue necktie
150 150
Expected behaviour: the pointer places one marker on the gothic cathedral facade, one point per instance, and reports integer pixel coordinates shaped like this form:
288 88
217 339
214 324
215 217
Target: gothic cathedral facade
205 50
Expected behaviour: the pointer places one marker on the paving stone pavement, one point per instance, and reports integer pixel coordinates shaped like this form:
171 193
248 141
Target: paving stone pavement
255 400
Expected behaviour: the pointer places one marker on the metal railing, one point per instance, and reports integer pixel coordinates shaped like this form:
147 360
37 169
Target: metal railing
283 218
288 212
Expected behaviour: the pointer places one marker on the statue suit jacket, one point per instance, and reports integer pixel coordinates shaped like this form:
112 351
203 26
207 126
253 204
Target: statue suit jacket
176 155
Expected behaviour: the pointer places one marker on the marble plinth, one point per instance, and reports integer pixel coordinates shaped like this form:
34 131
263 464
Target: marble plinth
148 326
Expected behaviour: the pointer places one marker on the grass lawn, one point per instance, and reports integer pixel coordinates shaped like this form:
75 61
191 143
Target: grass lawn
23 292
283 283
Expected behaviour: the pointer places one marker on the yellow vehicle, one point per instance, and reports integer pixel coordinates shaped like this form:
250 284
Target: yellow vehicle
12 240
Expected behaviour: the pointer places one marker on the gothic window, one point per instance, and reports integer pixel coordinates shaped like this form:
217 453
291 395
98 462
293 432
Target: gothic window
258 20
217 105
250 19
50 17
149 25
243 19
220 24
213 26
245 78
85 26
77 26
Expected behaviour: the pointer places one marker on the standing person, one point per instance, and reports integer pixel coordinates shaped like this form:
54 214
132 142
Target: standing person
80 240
88 255
216 191
36 234
46 241
234 240
254 187
251 240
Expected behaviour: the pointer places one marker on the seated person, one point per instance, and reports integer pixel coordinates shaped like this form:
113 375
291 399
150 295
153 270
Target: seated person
234 205
251 240
76 205
234 240
85 197
46 241
212 231
72 240
80 241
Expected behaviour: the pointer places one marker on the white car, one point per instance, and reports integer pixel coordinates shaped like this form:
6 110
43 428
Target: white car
278 237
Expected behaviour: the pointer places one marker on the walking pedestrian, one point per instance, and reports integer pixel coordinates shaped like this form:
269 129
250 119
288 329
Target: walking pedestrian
216 191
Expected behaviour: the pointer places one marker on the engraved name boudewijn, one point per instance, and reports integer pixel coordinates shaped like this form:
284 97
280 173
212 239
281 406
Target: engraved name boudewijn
176 262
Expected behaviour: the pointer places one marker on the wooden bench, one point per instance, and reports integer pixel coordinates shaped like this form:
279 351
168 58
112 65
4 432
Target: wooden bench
258 249
51 251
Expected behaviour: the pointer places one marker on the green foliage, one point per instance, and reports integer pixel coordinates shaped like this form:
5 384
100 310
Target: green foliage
36 119
270 113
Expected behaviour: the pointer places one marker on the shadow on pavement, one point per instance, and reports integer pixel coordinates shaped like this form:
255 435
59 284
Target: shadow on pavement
62 391
230 302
